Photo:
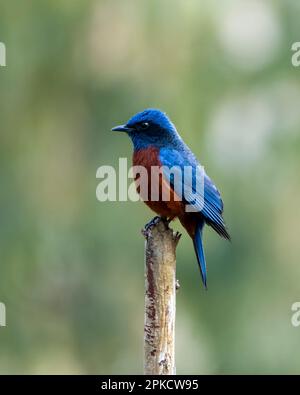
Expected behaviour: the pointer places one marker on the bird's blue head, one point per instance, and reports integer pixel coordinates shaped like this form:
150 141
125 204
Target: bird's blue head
149 127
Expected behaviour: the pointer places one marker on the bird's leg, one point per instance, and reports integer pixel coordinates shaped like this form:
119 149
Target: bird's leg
170 219
165 220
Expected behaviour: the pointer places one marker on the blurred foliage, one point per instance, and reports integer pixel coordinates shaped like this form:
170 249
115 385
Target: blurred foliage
71 271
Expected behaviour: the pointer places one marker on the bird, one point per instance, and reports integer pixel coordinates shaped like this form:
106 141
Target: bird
157 144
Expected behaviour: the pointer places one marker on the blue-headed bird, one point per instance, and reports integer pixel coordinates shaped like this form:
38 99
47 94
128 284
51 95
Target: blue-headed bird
157 143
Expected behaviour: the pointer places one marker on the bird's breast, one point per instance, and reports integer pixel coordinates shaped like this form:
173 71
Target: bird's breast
146 157
151 185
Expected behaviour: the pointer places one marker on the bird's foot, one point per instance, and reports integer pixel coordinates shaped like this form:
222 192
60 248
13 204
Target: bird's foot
168 220
154 221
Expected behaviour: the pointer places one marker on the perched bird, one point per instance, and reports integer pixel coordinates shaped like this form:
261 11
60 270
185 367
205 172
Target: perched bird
156 142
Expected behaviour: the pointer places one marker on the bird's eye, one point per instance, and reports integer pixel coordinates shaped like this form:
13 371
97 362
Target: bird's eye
144 125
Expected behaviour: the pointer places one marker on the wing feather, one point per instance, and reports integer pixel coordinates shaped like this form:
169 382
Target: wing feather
205 199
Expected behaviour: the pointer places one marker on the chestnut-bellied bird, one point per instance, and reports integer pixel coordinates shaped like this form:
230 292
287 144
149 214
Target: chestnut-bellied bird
156 142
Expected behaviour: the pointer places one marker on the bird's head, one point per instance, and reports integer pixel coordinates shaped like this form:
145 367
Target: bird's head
149 127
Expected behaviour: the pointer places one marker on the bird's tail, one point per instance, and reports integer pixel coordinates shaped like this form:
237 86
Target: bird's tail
200 252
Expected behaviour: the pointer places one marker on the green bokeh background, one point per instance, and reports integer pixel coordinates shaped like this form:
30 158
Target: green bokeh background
71 268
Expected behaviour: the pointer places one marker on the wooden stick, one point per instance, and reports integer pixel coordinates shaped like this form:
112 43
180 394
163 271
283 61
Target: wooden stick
2 314
160 297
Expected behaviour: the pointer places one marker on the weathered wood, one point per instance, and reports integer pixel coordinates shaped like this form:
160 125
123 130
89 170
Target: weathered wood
2 314
160 297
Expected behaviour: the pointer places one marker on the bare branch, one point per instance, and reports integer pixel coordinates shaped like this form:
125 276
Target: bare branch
160 297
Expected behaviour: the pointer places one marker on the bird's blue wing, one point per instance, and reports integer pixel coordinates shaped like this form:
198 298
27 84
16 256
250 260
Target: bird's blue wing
196 188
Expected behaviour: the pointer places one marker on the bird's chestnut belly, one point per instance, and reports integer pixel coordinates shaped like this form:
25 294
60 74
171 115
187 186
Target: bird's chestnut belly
151 185
165 209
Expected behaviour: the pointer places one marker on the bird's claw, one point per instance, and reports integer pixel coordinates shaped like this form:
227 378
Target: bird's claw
177 237
154 221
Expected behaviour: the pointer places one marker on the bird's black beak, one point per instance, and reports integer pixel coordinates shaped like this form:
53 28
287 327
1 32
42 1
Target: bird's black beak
122 128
